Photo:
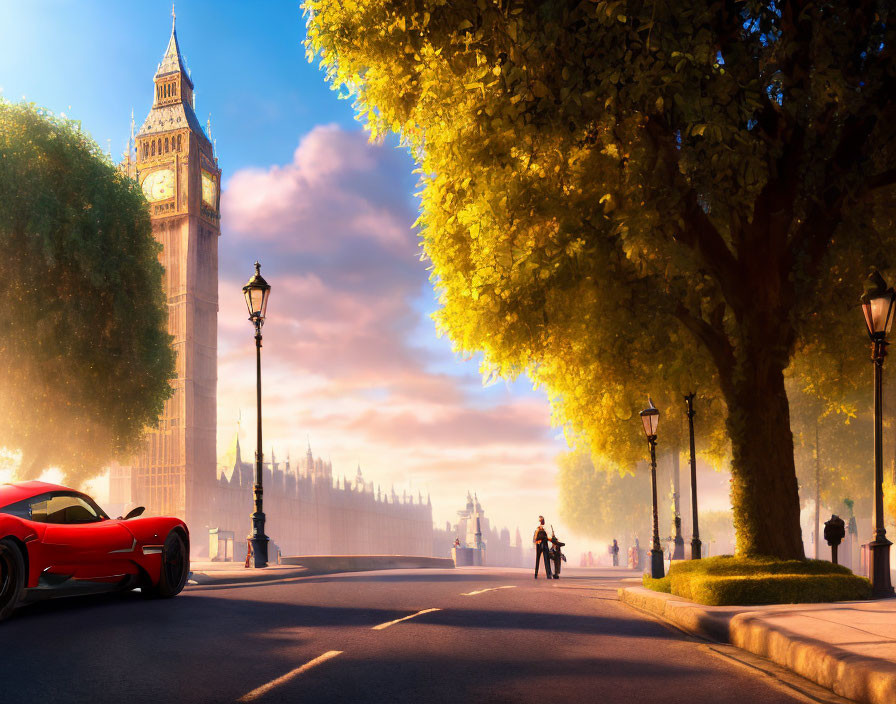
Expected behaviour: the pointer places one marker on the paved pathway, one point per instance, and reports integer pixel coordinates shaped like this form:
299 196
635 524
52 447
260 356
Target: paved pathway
467 635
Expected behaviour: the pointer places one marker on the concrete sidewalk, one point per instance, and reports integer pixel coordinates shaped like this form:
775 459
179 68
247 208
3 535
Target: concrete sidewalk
848 647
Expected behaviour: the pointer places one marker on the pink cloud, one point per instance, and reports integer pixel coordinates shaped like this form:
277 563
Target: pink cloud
344 364
331 179
455 425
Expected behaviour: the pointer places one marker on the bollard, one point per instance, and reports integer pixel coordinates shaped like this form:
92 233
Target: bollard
834 532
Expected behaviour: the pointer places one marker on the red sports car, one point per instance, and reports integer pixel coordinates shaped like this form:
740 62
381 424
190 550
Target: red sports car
56 541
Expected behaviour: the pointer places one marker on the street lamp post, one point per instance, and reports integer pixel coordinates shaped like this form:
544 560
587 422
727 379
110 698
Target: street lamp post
877 304
257 291
650 417
696 545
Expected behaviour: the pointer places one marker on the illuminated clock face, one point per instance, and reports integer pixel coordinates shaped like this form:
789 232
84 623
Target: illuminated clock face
159 185
209 189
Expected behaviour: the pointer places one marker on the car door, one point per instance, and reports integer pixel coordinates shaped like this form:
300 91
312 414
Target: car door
81 541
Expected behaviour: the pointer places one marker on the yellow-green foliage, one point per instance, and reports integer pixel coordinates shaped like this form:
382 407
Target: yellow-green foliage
890 499
833 441
627 197
85 355
729 581
599 502
657 585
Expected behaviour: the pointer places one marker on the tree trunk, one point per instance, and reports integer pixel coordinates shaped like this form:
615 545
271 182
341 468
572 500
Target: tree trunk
764 489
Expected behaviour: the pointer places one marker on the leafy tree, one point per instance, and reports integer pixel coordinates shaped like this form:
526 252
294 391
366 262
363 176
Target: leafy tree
620 194
833 449
890 497
716 531
85 357
603 504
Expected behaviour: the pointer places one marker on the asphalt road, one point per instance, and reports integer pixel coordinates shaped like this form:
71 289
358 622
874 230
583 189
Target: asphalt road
485 635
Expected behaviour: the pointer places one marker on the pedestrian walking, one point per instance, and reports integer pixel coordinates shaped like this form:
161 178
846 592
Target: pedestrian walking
614 551
541 548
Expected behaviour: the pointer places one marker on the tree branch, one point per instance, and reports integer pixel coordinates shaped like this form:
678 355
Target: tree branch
712 337
876 182
699 234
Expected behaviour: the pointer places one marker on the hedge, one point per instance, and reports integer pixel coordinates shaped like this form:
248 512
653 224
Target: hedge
730 581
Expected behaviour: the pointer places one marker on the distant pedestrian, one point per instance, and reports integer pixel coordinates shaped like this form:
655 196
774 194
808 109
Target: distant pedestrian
556 553
541 548
614 551
590 559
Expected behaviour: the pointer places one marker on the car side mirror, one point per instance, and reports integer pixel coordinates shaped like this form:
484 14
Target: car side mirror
134 512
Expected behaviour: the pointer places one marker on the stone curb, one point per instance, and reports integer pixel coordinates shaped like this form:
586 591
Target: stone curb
213 577
315 565
859 677
864 679
687 615
367 563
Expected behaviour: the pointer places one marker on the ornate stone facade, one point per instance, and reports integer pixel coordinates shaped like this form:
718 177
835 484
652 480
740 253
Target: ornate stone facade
174 161
308 513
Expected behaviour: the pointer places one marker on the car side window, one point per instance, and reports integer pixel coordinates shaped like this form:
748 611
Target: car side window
64 508
20 509
39 509
57 508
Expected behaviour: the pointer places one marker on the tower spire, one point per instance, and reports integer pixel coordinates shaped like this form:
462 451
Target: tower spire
173 61
130 152
208 132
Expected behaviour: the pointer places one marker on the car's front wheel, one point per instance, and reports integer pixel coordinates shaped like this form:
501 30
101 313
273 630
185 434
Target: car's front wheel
12 576
175 566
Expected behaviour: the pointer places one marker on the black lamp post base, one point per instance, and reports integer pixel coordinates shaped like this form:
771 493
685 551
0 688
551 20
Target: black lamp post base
881 587
657 568
696 549
260 550
259 540
678 550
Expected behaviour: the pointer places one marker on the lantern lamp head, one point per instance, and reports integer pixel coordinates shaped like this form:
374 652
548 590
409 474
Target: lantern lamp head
650 417
877 305
257 291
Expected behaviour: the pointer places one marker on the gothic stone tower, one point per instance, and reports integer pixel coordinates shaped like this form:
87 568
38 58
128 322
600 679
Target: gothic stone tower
176 166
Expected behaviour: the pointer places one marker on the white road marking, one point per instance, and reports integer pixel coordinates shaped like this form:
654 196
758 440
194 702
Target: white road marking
265 688
492 589
399 620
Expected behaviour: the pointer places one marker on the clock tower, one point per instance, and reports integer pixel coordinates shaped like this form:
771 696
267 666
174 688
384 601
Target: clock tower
174 162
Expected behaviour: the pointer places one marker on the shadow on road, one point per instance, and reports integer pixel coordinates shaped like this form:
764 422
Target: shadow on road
525 675
126 648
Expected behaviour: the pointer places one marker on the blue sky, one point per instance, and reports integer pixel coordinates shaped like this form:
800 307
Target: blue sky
361 372
95 61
